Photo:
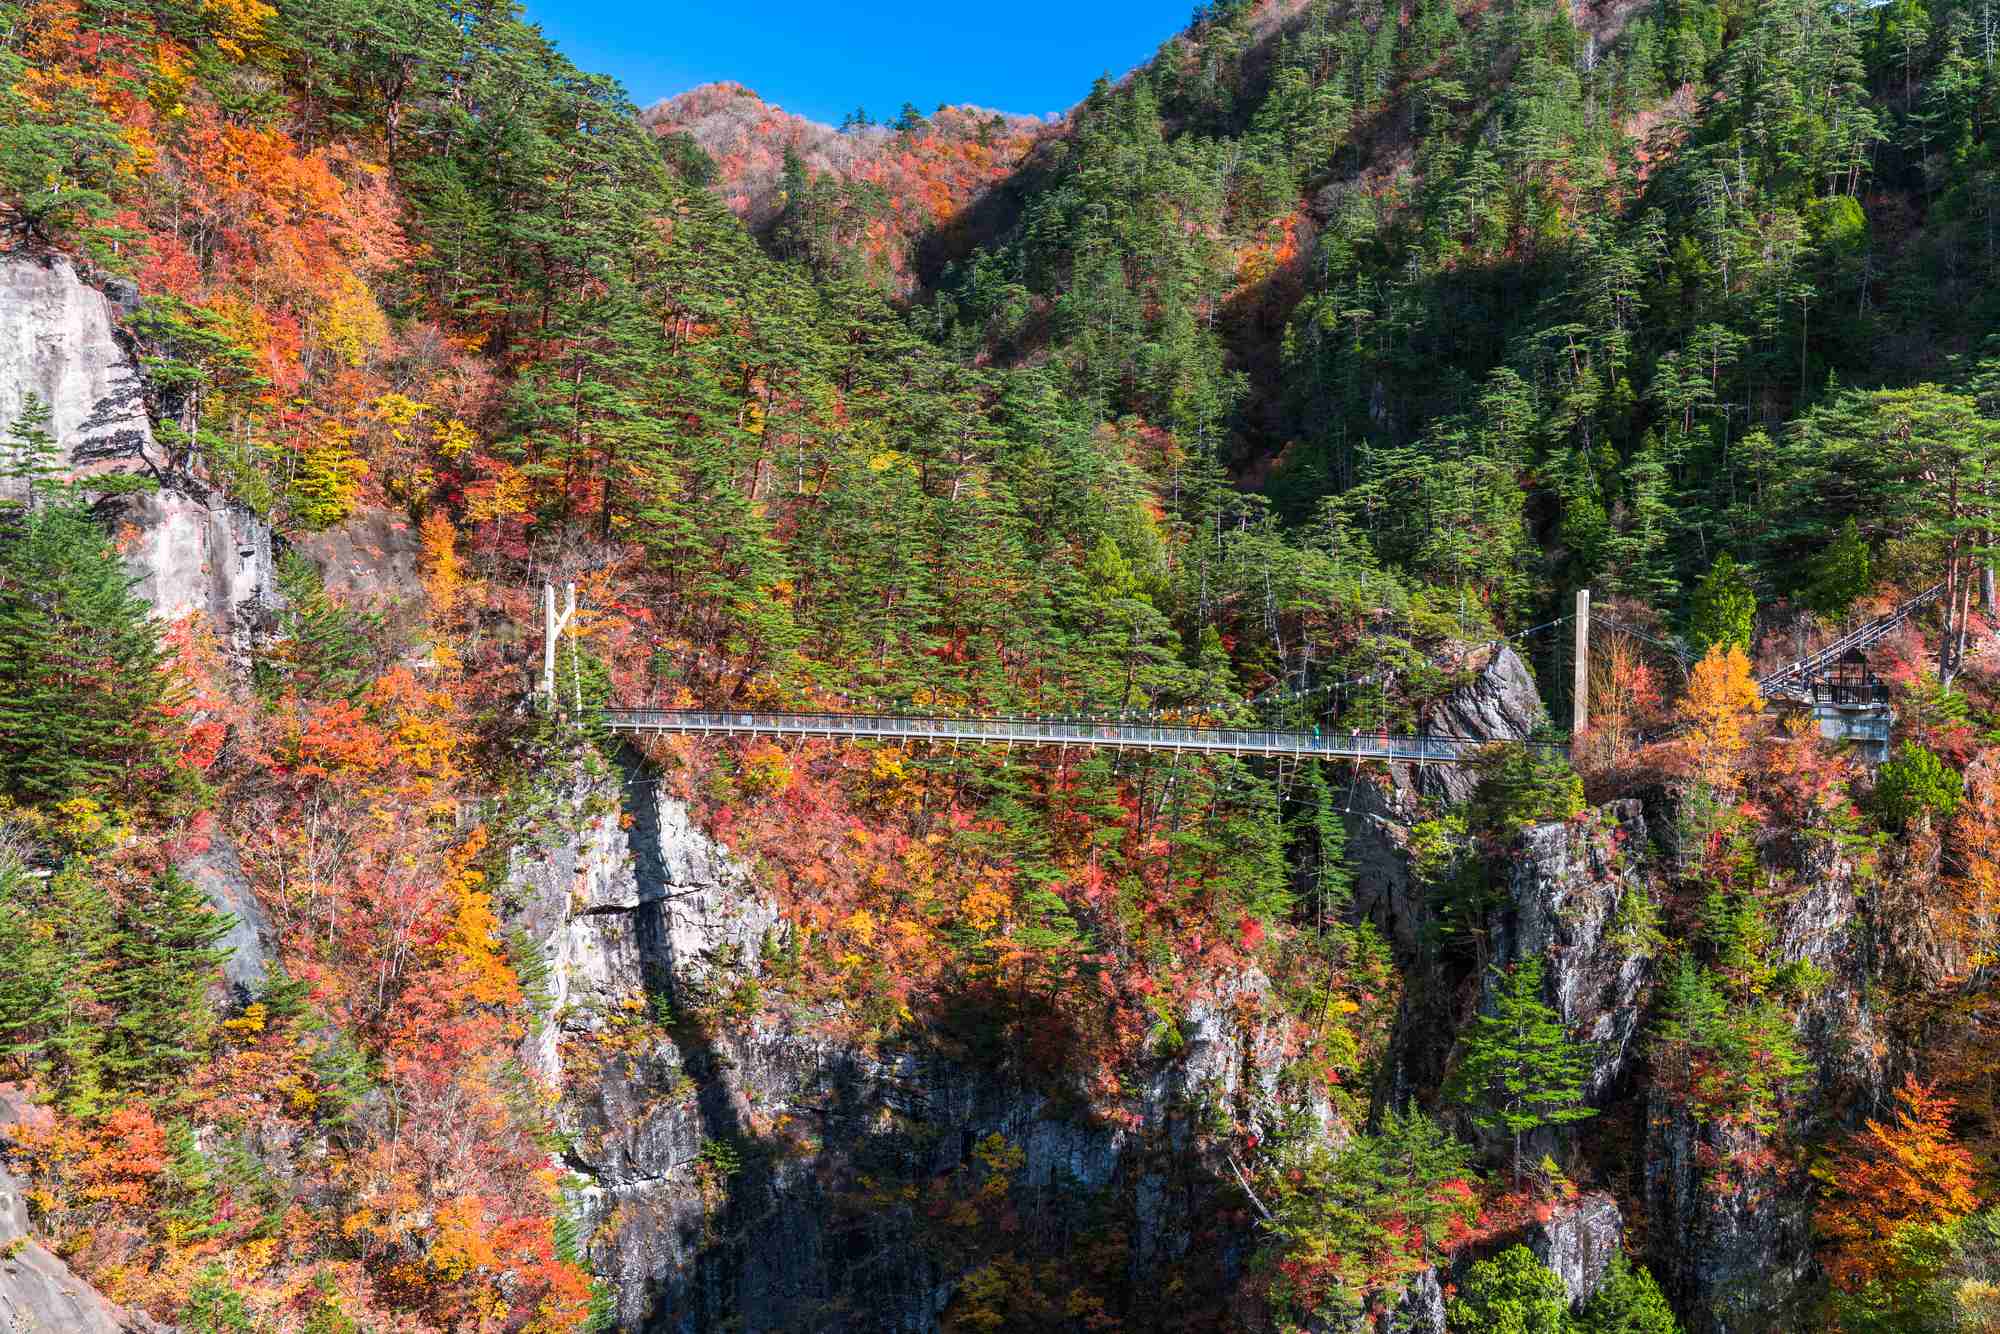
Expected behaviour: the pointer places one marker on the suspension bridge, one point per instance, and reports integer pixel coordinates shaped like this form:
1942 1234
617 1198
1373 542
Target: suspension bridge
1791 681
1417 748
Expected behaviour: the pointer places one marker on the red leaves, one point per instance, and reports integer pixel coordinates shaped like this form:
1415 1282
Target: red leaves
337 737
203 744
1249 932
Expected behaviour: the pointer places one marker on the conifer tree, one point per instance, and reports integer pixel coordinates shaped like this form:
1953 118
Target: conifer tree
1839 574
162 963
322 650
29 454
1520 1070
84 711
1724 607
1627 1301
33 971
1513 1293
1319 829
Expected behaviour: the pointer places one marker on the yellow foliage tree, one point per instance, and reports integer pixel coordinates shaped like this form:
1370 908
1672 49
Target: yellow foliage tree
328 482
474 939
1721 699
444 577
238 24
352 325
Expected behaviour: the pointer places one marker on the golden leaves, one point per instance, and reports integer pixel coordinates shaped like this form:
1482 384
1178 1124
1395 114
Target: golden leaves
1721 698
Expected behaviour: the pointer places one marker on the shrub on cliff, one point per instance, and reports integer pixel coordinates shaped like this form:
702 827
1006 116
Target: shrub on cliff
1916 783
1513 1293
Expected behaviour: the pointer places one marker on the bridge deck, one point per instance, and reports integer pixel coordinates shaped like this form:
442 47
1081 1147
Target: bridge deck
1058 732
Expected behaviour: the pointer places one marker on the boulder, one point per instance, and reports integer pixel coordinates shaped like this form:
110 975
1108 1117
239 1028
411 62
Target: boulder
218 873
1579 1241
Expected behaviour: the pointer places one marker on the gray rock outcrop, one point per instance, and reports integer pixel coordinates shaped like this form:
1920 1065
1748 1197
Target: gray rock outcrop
218 873
373 559
1579 1241
58 342
1564 891
191 550
194 551
746 1169
1730 1223
1499 703
1419 1310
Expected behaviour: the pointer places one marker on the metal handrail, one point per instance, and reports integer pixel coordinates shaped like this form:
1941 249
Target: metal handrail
1862 637
1425 749
1849 694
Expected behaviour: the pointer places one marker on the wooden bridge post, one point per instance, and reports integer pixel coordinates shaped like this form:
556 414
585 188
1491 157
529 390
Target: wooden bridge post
552 628
1580 697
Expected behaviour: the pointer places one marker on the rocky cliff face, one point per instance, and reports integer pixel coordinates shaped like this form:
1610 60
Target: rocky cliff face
1499 703
1730 1213
1565 888
1579 1242
743 1169
1733 1249
59 343
1730 1227
191 550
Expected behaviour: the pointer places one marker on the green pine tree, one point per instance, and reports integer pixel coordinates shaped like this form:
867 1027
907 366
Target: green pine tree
30 456
1839 574
1724 608
162 963
1520 1071
88 685
1513 1293
1627 1301
34 973
322 650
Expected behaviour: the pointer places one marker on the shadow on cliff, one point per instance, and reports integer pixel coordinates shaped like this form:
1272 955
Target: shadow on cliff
850 1186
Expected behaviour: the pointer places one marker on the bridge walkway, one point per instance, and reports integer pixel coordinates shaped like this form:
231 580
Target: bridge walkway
1326 745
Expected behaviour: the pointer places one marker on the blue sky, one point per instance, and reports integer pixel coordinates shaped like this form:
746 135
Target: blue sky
822 60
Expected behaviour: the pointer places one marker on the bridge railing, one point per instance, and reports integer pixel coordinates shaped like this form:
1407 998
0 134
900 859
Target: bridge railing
1057 731
1788 677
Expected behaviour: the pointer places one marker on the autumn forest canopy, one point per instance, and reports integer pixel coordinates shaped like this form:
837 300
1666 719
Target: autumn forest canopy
1300 377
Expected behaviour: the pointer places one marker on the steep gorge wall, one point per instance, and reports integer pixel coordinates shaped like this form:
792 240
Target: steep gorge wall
1733 1248
643 918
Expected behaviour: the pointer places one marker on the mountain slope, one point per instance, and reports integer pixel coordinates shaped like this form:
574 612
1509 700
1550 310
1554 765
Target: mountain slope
865 193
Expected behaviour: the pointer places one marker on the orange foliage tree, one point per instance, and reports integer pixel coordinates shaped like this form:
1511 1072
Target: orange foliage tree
1911 1170
1721 698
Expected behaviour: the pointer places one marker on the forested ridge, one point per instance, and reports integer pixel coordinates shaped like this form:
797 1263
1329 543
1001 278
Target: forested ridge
1302 375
